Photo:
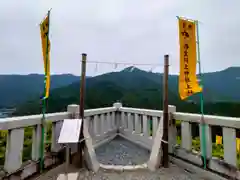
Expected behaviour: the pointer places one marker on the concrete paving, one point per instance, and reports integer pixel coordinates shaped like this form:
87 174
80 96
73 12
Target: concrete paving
119 152
172 173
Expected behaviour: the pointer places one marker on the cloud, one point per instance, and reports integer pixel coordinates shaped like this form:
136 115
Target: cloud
136 31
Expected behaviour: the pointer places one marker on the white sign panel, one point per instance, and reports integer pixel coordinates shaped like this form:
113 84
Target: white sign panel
70 131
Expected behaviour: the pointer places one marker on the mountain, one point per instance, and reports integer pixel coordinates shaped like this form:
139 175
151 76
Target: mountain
220 86
133 87
223 85
138 88
17 89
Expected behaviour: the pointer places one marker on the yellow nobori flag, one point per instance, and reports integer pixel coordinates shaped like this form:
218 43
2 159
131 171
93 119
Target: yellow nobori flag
238 144
188 83
44 28
218 140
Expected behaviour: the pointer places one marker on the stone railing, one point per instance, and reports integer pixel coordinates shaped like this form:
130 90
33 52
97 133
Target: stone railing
135 127
102 128
228 165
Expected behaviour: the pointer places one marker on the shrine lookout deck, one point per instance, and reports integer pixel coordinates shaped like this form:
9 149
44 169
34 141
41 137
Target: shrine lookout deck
120 143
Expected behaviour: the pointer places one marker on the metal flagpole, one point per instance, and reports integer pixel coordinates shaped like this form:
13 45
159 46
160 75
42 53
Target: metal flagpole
203 131
44 102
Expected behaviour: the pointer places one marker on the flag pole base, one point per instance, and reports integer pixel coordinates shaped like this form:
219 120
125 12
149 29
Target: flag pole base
207 163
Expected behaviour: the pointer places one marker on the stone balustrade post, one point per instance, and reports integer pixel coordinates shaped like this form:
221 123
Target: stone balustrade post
145 126
137 122
96 125
114 121
109 122
14 148
130 122
117 105
36 142
103 128
117 117
73 111
155 123
172 130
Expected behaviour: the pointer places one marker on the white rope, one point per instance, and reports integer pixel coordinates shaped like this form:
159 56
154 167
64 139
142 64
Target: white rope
125 63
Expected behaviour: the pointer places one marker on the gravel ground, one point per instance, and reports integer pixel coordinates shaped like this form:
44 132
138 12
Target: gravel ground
121 152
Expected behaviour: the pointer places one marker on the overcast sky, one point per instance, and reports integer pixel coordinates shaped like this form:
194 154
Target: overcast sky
132 31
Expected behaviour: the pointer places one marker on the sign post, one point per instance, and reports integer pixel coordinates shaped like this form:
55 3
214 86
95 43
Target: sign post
165 112
81 143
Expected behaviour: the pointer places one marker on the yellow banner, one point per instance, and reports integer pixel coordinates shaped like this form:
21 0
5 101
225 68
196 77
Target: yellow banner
238 144
218 140
188 83
44 28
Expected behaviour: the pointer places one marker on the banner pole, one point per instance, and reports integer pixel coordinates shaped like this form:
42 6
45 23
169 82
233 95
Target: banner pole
44 103
165 161
203 131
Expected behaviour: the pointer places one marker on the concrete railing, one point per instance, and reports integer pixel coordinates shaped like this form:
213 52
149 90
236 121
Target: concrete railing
135 127
102 127
226 166
133 124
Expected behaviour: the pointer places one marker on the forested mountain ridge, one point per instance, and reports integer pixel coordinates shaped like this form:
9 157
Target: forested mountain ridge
15 89
221 86
138 88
